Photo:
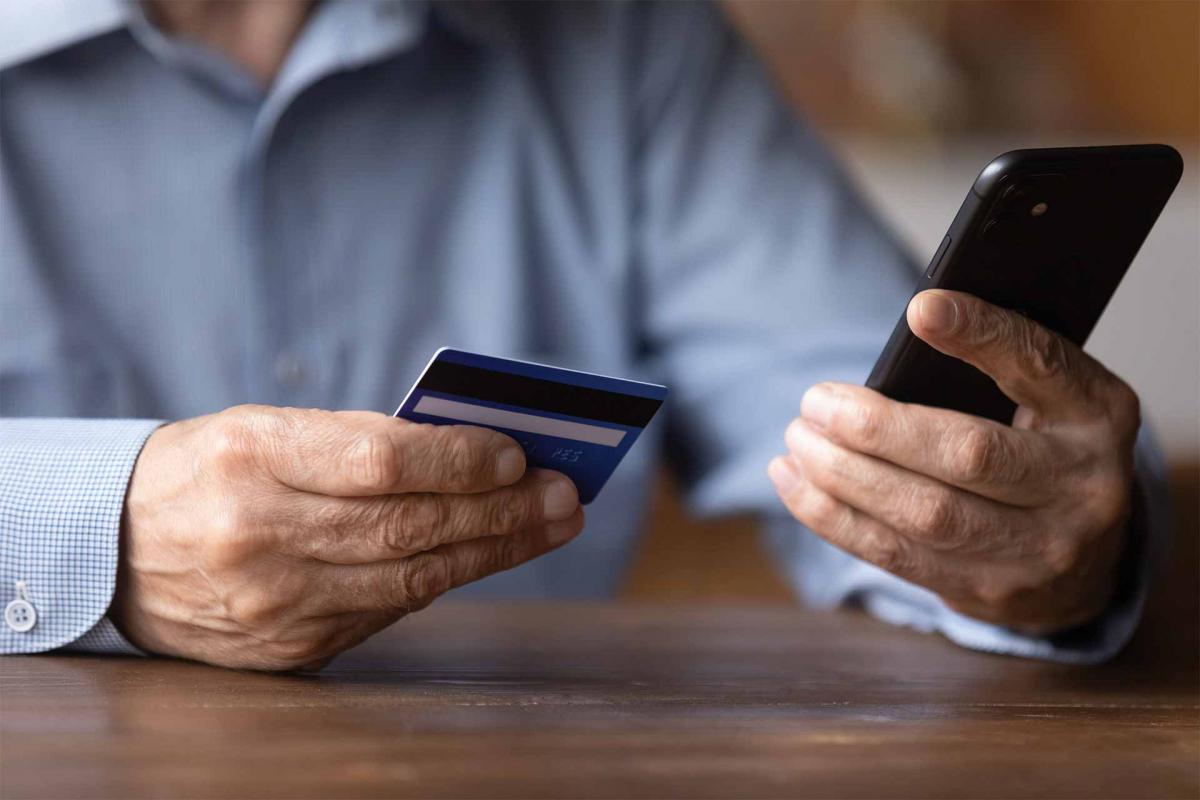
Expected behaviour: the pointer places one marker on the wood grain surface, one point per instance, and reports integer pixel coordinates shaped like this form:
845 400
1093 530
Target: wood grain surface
633 700
514 700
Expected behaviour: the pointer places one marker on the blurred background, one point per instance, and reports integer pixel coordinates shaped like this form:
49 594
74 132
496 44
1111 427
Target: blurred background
917 97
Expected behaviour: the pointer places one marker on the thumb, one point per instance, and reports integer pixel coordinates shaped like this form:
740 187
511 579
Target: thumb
1031 364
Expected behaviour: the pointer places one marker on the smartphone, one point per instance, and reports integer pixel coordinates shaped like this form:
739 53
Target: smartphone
1048 233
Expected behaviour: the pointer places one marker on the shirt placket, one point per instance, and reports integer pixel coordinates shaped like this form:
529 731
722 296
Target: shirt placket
287 359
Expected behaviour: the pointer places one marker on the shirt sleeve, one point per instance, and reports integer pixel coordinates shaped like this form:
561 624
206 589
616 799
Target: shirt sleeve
763 272
62 492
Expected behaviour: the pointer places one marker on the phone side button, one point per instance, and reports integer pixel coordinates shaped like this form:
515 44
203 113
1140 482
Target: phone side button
936 261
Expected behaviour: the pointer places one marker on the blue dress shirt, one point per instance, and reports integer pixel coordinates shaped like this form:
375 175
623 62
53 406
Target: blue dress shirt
611 187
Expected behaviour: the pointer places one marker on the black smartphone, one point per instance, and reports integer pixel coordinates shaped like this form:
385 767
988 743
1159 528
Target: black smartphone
1048 233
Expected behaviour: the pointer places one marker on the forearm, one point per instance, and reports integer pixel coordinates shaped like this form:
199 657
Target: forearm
62 491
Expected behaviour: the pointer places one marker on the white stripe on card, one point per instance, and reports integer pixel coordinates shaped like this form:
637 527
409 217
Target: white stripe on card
516 421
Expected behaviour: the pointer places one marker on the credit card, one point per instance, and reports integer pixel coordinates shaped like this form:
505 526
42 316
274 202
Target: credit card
574 422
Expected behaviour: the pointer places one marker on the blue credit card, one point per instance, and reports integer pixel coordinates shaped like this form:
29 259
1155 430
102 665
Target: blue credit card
577 423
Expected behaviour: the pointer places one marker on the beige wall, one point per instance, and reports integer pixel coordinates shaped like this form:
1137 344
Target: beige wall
1150 333
919 96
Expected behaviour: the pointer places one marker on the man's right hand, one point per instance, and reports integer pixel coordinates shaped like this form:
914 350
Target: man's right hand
275 538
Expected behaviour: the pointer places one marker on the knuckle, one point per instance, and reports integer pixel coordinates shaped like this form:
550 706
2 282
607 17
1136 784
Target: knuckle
1047 353
1108 502
462 455
372 462
507 513
819 510
890 553
828 464
935 514
979 450
230 539
416 522
424 577
996 592
985 325
509 552
864 423
252 609
1061 556
330 515
231 441
951 537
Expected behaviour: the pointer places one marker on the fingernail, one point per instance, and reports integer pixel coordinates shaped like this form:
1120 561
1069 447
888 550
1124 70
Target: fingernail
938 313
510 465
817 405
783 475
560 532
559 500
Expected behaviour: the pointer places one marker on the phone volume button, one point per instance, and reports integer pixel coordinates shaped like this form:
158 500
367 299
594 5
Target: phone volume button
936 261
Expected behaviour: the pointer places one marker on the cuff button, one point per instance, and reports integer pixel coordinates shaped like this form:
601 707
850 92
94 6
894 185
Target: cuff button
20 615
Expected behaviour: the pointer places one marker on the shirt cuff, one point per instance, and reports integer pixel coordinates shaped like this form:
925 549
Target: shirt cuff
62 494
826 576
104 638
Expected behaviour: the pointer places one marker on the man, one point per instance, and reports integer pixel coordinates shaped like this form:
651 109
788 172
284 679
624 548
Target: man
209 204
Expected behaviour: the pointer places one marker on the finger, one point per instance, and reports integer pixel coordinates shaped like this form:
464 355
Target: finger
921 509
1030 363
409 584
1008 464
360 530
359 453
865 537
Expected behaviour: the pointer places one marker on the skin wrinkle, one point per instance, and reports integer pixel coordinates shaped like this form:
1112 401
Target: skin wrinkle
913 423
1059 388
862 535
250 595
903 490
1021 526
360 530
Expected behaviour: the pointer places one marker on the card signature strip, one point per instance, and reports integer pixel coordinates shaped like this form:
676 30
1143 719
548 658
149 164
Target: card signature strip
512 420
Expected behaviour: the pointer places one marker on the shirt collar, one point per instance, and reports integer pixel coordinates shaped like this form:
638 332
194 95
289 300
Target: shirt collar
34 28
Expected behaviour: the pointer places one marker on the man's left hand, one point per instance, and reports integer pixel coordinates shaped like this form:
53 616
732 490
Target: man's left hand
1020 526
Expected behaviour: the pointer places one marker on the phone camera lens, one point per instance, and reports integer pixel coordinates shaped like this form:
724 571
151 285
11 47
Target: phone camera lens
1038 209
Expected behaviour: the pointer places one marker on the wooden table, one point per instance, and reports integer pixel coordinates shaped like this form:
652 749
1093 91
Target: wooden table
616 701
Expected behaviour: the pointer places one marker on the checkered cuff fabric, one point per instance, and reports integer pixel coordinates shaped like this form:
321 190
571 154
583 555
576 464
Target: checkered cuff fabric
104 638
62 490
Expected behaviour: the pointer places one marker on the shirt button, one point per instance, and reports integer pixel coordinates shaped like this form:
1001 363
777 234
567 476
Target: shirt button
20 615
289 370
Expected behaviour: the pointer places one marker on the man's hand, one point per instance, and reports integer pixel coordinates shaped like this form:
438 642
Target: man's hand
1020 526
276 538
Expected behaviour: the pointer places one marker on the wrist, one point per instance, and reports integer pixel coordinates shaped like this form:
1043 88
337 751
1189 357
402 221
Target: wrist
142 500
